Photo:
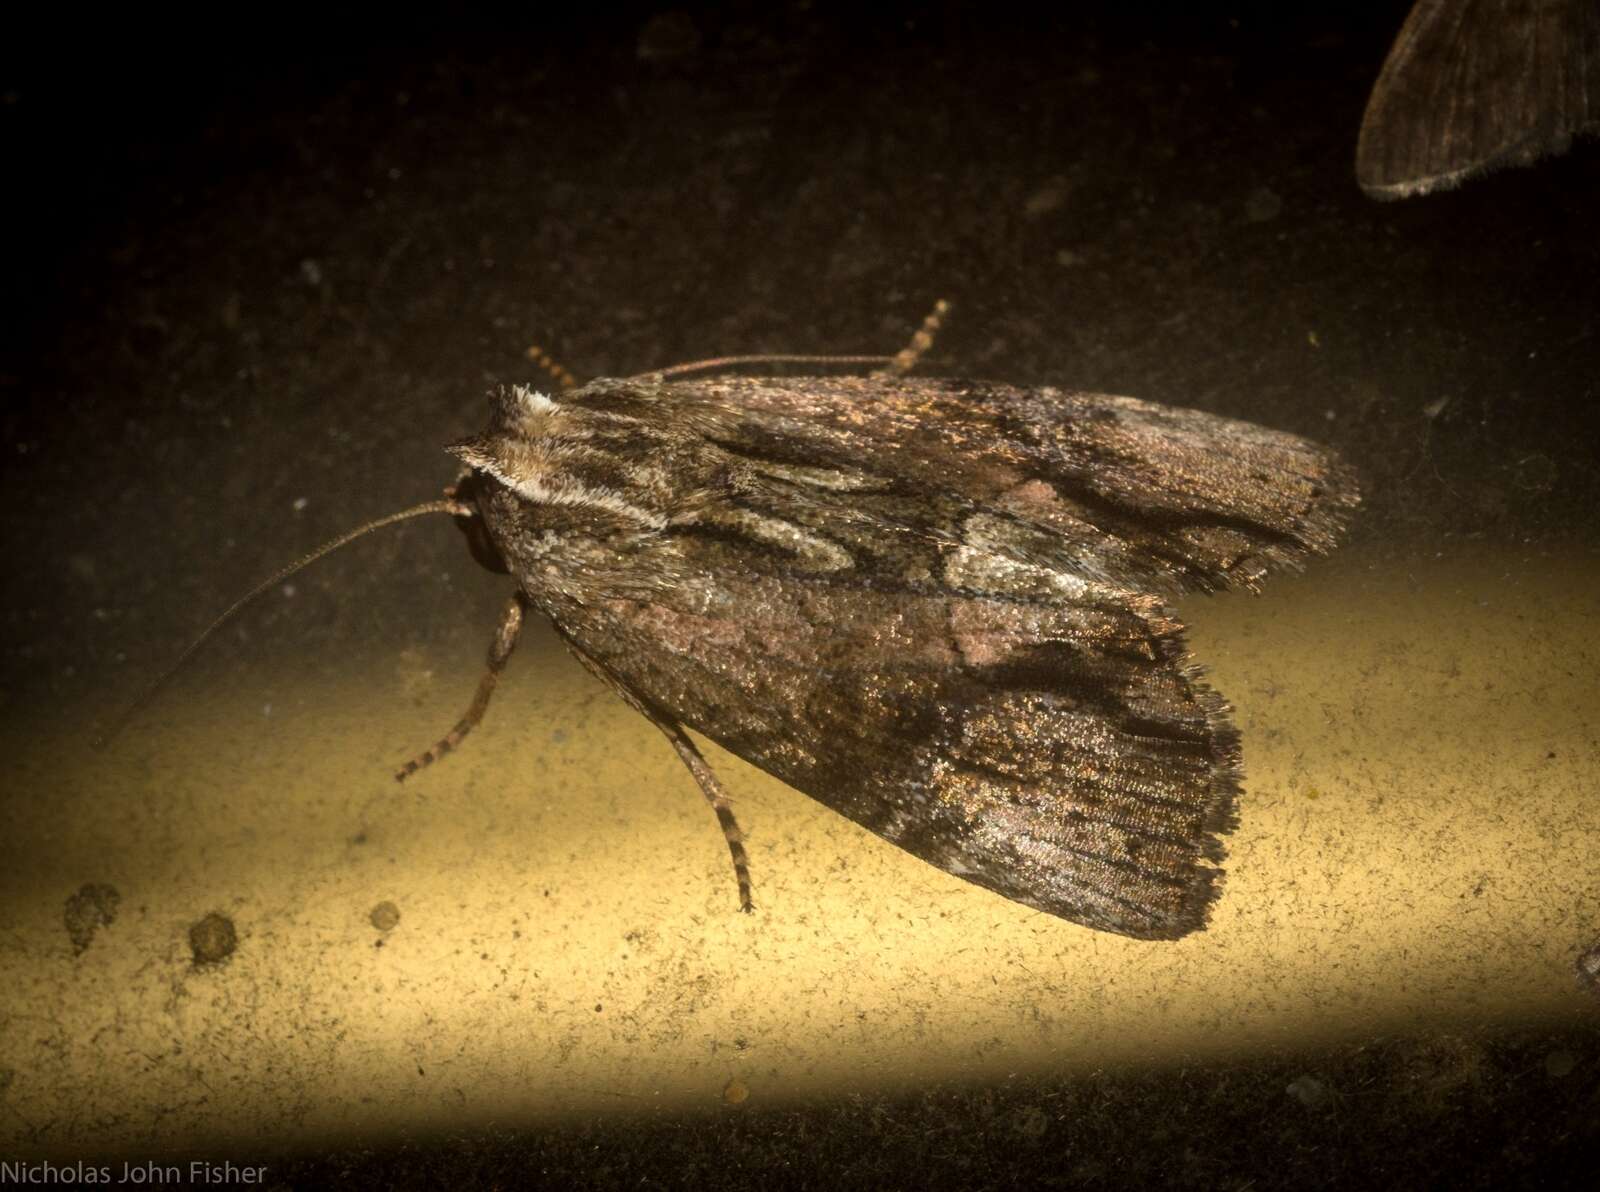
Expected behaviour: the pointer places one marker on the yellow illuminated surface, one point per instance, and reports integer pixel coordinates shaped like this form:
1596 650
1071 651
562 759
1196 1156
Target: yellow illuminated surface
1417 852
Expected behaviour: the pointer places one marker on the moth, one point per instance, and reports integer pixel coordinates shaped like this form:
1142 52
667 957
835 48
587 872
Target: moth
1471 85
939 607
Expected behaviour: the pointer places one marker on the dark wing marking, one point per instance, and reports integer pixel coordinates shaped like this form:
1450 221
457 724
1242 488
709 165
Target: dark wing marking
1470 85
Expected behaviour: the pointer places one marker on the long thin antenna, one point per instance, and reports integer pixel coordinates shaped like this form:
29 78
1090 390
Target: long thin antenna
735 361
454 507
896 365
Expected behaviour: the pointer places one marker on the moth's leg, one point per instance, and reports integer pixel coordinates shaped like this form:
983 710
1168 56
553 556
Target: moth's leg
906 358
709 786
720 803
505 640
551 366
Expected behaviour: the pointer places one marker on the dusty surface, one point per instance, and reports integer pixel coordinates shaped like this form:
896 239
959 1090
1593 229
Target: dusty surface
561 937
263 294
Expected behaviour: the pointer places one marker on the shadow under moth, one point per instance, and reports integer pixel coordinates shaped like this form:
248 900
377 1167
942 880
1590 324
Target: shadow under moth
939 607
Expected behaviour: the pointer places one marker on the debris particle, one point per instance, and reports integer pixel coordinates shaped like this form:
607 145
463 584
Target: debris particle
1309 1091
1047 198
668 35
213 939
1263 205
1030 1122
1589 970
94 906
1560 1063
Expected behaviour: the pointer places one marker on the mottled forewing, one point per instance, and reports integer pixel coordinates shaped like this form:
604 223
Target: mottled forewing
1132 492
1471 85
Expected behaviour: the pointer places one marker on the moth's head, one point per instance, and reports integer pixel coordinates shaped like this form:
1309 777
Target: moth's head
595 465
469 491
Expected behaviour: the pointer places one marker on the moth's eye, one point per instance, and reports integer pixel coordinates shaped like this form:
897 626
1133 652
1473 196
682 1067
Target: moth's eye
479 541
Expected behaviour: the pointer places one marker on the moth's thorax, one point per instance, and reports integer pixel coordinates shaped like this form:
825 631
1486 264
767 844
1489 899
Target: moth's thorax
570 488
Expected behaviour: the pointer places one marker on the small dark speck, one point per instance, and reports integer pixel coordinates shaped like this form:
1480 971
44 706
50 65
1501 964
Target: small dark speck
1263 205
1309 1091
359 838
597 1007
385 916
483 956
668 35
94 906
1030 1122
558 735
213 939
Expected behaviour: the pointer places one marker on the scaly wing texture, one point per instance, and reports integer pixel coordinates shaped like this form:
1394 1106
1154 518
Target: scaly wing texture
1062 754
1130 491
933 606
1470 85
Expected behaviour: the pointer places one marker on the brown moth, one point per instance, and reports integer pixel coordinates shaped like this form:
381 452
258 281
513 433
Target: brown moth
939 607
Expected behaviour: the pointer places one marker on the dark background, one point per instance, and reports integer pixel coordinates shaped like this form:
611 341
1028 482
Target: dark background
255 271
